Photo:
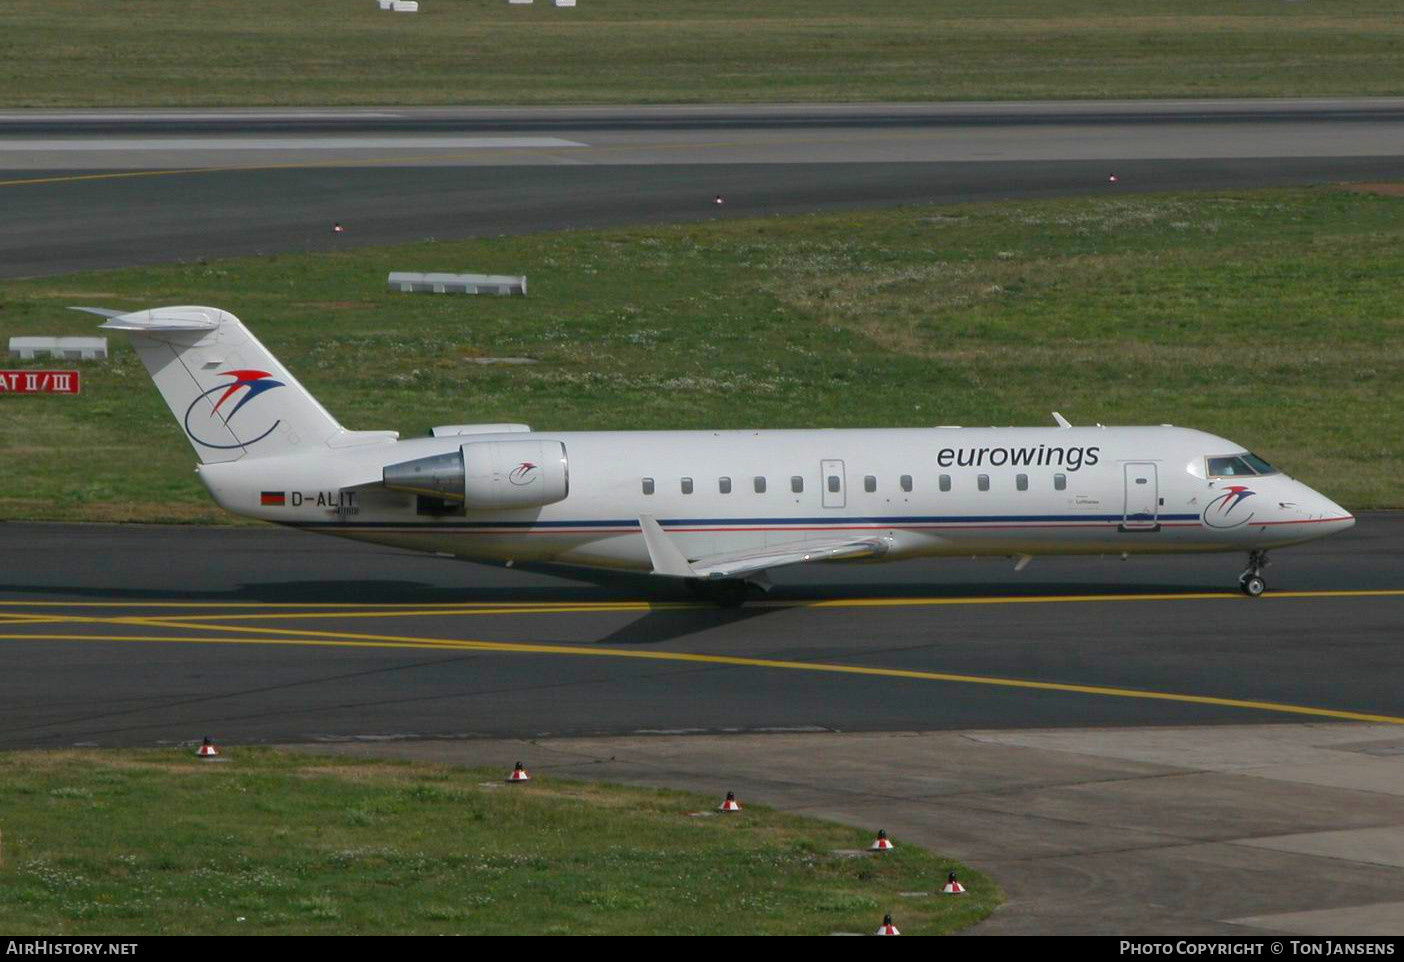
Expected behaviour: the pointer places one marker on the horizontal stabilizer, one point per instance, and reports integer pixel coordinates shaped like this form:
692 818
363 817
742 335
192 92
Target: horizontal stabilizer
669 560
163 320
99 311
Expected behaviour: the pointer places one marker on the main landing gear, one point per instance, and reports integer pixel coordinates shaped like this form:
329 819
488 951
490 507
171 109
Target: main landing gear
726 593
1251 582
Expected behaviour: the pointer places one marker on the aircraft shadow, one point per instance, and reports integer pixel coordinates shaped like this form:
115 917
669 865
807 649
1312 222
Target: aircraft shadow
605 587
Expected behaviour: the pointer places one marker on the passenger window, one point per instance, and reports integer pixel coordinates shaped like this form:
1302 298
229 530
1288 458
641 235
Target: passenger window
686 485
1021 481
760 485
1060 482
834 483
797 484
906 482
647 485
984 482
869 484
724 485
945 482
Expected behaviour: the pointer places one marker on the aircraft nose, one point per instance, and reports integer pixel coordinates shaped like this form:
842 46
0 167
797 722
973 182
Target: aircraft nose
1332 514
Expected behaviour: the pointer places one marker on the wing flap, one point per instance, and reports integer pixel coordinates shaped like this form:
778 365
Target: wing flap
668 559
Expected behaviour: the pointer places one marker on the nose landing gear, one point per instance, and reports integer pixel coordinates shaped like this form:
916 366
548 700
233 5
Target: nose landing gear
1251 582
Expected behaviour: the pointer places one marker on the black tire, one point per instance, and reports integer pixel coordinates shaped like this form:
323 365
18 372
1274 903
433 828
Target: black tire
729 594
1253 586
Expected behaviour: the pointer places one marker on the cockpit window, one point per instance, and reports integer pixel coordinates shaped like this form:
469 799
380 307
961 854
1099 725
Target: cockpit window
1238 465
1258 464
1229 468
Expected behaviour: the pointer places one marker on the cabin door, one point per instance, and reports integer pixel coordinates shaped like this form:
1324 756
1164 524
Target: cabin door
831 482
1142 507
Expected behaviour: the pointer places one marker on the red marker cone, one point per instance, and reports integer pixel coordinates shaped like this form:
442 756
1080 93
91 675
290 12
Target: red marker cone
719 200
730 804
882 844
519 774
337 228
952 886
887 928
207 749
1112 178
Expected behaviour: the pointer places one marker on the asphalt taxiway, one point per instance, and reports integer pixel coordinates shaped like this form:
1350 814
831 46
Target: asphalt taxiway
146 635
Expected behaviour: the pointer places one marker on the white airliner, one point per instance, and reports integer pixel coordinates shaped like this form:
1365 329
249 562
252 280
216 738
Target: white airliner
714 508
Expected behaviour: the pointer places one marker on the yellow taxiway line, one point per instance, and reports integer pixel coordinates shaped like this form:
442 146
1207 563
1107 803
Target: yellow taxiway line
293 610
275 636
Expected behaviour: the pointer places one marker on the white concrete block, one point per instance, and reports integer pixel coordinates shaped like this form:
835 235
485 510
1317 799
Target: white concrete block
66 348
409 282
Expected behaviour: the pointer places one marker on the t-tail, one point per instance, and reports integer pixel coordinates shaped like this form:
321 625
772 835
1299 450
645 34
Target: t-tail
230 395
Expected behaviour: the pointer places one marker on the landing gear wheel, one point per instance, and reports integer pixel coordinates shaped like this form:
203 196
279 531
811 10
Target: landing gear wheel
729 594
1251 581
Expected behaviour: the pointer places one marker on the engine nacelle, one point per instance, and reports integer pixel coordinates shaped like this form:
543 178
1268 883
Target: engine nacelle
488 475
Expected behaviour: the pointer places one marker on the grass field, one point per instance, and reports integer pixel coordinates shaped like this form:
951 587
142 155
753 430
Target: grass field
132 842
1273 318
90 53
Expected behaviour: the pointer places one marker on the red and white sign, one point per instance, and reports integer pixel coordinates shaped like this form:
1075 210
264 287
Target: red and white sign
39 382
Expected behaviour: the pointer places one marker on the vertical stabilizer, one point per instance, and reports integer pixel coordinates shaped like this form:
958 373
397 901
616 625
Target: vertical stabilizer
232 398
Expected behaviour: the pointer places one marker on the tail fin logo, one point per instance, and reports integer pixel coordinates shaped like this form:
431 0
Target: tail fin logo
246 386
1220 512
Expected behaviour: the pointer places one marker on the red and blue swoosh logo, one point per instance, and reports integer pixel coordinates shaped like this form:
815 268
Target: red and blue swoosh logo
522 474
246 386
1224 511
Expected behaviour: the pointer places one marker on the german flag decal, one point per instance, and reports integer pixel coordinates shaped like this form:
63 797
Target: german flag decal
274 498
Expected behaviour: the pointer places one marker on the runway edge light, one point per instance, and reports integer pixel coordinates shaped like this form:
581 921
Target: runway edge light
519 774
729 804
887 928
953 887
882 844
207 749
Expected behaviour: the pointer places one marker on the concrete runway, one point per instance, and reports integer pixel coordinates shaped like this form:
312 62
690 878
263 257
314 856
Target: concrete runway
85 190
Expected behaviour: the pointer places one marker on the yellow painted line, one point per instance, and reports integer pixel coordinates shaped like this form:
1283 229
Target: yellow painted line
275 604
525 609
293 165
1063 599
292 611
373 641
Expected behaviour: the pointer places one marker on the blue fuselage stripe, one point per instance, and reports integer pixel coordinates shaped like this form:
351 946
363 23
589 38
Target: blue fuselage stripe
632 523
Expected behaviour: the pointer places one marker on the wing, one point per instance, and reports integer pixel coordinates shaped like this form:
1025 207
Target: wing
669 560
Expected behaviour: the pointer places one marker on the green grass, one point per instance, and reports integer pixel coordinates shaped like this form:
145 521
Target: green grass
1270 317
87 53
146 842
